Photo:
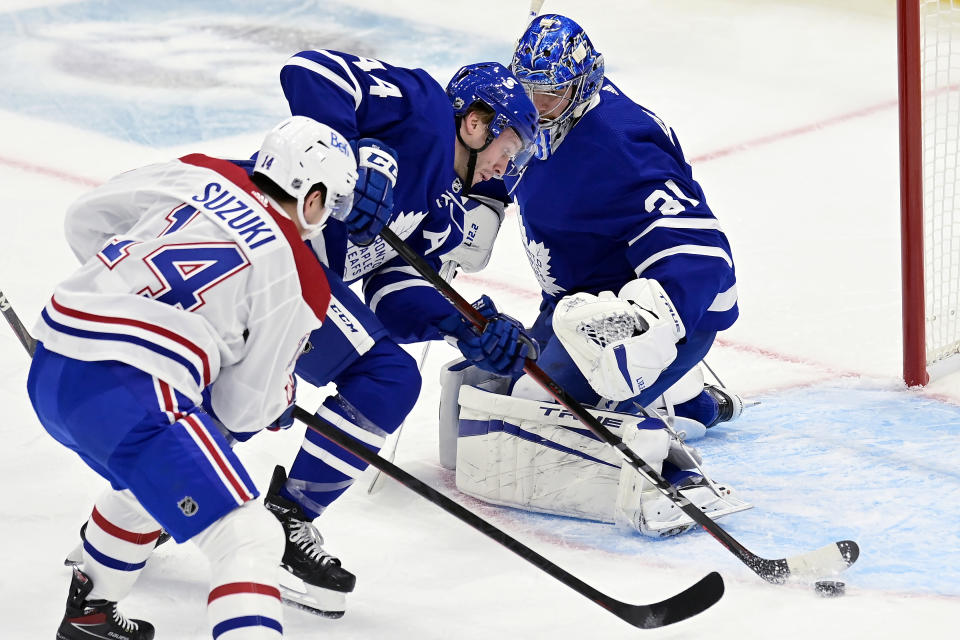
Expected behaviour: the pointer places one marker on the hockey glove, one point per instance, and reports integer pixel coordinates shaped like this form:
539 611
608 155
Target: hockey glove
503 346
373 195
620 344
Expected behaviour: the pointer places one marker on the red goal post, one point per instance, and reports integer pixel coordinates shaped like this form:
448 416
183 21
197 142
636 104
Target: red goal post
928 33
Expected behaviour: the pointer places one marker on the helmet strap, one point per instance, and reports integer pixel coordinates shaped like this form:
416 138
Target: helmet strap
309 230
472 160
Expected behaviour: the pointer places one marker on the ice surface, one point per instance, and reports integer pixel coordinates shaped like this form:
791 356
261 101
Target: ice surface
787 112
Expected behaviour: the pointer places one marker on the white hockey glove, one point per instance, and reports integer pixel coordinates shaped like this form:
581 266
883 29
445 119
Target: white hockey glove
481 224
620 344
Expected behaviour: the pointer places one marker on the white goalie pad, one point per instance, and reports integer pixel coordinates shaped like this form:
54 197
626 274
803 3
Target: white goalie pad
686 388
620 347
537 456
454 375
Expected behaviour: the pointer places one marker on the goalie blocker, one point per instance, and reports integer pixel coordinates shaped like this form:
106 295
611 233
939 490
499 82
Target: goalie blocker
535 455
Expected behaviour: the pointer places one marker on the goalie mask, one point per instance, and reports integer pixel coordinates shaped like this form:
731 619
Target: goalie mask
300 153
492 84
554 58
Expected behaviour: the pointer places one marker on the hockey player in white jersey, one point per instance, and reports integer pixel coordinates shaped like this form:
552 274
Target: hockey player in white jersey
432 147
637 279
212 292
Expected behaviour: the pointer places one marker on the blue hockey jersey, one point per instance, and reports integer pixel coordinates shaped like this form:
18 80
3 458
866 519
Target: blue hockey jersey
617 200
409 111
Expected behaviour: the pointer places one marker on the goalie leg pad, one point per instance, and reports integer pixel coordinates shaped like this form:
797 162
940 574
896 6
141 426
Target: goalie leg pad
453 376
537 456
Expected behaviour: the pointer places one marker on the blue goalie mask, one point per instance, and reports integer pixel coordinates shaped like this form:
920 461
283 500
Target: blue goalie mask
492 84
555 56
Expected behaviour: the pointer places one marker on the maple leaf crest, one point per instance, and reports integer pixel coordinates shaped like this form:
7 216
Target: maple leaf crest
539 257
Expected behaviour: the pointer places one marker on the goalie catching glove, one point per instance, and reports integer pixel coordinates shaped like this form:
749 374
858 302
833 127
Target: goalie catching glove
622 343
373 195
501 348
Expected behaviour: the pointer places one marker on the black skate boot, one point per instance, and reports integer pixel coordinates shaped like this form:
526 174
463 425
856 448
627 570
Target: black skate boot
729 405
75 557
87 619
314 581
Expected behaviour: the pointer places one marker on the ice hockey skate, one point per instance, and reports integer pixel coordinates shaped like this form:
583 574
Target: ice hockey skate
314 580
729 405
660 517
86 619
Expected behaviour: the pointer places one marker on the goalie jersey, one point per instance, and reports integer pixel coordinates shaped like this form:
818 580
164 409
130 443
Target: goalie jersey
207 283
407 110
617 200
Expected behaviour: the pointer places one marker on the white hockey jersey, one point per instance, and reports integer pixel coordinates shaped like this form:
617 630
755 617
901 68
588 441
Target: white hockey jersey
208 282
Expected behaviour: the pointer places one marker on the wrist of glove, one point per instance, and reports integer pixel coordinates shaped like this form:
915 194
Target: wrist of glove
501 348
654 305
377 171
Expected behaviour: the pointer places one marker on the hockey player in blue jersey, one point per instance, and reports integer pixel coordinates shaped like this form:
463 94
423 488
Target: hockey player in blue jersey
637 279
183 329
428 147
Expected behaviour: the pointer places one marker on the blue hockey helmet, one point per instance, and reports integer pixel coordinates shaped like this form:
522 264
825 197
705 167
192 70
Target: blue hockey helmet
492 84
554 55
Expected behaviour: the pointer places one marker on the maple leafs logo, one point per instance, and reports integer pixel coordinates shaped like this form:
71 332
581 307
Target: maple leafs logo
539 257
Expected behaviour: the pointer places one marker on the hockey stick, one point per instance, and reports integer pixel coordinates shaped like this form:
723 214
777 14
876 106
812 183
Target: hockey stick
447 272
28 341
693 600
832 558
681 606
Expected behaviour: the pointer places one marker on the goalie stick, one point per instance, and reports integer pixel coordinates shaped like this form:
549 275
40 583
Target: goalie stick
695 599
830 559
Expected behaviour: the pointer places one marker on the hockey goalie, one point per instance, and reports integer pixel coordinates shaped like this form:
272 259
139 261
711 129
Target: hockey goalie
511 445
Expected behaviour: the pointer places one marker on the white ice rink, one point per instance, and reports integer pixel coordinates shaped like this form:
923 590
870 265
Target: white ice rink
787 112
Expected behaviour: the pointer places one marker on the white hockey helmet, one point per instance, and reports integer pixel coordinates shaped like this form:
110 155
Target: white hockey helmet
301 152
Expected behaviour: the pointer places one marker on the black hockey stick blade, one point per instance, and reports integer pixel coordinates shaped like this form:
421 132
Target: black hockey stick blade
685 604
690 602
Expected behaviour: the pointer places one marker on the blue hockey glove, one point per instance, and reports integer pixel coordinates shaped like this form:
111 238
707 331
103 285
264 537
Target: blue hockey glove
501 348
373 195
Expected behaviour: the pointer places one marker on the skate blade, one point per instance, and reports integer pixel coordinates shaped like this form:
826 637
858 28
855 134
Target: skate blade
325 603
655 529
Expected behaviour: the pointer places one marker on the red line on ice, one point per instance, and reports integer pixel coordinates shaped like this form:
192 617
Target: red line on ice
49 172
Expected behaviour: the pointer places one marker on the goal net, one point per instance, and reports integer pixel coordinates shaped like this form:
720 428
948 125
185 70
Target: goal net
929 65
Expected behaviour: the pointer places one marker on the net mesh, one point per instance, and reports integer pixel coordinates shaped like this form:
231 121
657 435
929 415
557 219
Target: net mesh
611 328
940 84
